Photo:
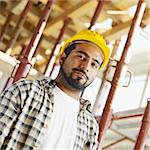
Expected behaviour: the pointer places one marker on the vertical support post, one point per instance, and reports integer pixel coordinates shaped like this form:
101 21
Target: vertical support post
55 50
107 119
5 26
18 27
119 70
140 143
24 67
96 13
98 102
30 50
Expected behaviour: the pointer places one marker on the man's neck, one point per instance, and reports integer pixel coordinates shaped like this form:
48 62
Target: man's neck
65 87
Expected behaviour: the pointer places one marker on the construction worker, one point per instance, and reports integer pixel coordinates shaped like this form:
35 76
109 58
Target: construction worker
51 114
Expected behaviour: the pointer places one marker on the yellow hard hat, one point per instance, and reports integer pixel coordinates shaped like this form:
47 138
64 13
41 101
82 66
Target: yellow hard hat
93 37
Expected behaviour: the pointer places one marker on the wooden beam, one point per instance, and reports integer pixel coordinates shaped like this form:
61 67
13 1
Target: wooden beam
27 29
121 29
18 8
117 31
73 12
146 17
124 5
115 17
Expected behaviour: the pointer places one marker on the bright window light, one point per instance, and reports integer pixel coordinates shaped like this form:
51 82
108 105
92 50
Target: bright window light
107 24
47 52
39 57
117 12
132 11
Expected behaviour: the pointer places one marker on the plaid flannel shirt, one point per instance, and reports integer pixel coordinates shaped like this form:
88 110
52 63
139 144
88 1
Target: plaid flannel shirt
25 110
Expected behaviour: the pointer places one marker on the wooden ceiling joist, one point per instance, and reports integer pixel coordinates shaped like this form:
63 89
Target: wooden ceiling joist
73 12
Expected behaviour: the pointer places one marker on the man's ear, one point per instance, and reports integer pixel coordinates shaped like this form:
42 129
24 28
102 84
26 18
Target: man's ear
62 58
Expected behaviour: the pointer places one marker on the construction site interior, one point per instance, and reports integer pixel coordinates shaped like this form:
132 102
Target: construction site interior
122 24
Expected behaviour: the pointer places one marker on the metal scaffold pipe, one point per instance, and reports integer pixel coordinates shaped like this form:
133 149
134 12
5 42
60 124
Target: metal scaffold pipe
140 143
21 70
96 13
56 49
103 89
119 71
18 27
30 50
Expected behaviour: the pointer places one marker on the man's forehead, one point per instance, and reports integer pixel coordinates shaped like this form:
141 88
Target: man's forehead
81 44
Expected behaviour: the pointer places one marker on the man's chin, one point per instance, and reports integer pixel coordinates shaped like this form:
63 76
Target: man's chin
77 84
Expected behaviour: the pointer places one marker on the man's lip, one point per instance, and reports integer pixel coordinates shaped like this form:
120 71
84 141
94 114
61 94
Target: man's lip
81 73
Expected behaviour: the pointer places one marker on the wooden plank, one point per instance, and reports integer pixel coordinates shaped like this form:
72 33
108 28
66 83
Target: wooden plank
117 31
73 12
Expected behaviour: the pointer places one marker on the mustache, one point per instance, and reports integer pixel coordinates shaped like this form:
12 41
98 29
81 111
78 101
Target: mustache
81 70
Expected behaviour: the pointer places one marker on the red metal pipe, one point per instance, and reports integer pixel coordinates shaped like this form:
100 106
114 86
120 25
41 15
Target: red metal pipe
119 69
96 13
140 143
122 117
24 67
99 97
116 142
127 117
5 26
30 50
49 66
107 119
127 137
18 27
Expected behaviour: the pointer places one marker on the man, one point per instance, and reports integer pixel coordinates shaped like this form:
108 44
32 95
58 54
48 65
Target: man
49 115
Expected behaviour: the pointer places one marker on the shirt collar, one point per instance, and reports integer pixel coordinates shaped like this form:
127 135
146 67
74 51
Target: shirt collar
85 104
50 84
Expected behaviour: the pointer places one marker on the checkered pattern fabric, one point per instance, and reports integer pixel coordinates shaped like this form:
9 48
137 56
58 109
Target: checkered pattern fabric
25 110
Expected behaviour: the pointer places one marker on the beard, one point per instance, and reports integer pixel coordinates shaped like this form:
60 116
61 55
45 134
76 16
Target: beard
75 83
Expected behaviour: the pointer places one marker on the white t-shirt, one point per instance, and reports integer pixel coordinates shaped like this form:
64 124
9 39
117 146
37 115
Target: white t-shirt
61 132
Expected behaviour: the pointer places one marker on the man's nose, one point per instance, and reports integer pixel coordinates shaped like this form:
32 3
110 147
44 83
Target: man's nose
85 65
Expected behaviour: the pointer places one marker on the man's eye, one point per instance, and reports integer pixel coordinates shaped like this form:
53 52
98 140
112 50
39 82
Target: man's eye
94 65
80 56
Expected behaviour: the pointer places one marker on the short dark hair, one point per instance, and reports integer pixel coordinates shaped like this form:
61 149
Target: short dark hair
72 46
69 48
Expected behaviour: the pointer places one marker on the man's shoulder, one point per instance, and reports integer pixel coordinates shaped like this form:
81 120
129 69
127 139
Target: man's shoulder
27 85
25 82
